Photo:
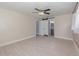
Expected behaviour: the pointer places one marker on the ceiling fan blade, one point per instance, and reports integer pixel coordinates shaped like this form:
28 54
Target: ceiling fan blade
47 13
47 10
37 9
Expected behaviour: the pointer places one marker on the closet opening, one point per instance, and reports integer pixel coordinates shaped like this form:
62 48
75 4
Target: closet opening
45 27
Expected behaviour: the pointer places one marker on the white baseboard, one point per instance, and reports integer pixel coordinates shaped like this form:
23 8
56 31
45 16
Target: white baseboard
63 38
11 42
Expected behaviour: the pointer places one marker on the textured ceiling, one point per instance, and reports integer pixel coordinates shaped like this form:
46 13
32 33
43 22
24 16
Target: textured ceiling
57 8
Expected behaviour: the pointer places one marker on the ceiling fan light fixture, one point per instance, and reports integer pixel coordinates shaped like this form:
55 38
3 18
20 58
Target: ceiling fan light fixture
41 13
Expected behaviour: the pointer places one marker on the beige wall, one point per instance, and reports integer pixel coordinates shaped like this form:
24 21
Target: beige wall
15 26
63 26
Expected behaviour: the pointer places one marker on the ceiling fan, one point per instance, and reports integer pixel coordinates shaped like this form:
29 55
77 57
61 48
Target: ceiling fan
42 12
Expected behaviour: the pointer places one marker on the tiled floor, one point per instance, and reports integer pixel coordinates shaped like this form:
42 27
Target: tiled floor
40 46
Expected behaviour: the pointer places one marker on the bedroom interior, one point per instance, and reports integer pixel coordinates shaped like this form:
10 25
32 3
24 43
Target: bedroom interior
39 29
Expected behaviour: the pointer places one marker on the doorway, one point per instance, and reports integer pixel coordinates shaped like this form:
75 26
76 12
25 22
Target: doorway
51 27
45 27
